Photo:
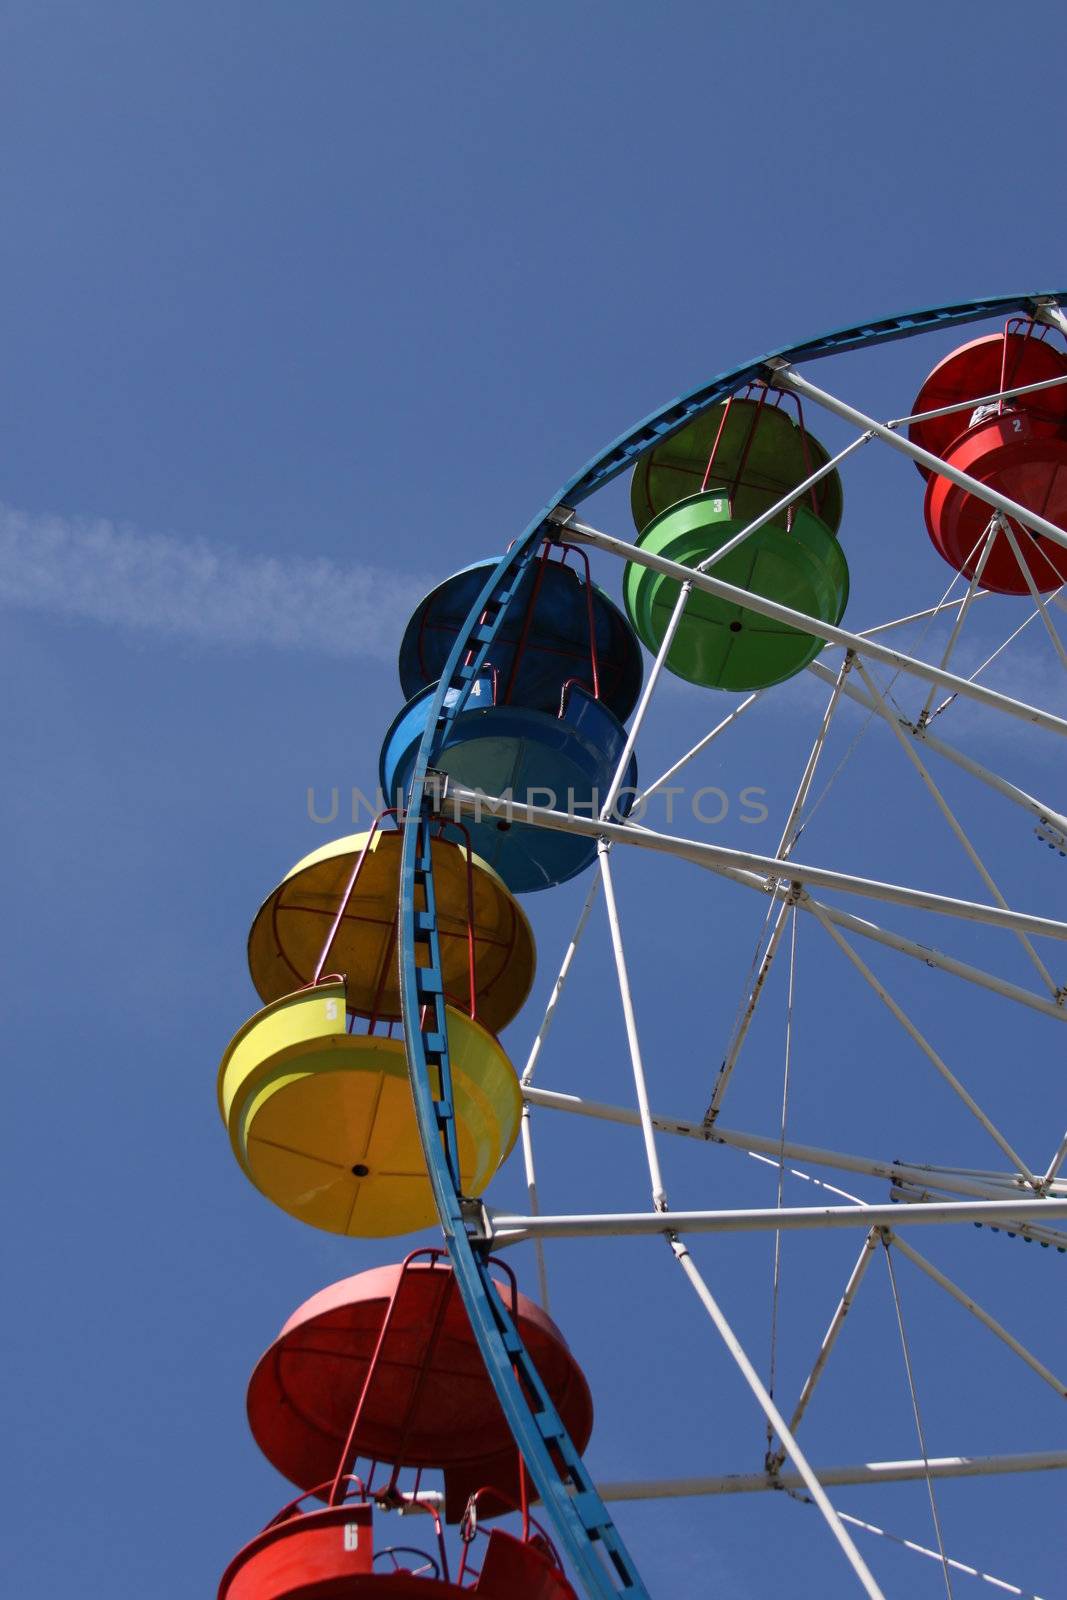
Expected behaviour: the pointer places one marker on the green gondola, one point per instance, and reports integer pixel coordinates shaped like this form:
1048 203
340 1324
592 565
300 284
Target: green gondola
757 452
722 644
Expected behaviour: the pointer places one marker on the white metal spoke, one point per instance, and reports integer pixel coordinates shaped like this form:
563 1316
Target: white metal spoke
787 377
837 1322
934 1555
1010 791
775 1418
1055 1164
916 1412
919 616
987 542
865 1472
869 648
659 1196
927 955
990 1185
987 1321
807 1177
776 1285
927 1049
531 1191
937 959
745 863
700 746
609 802
741 1028
789 834
1035 594
504 1228
909 1194
988 662
977 400
605 876
784 504
785 845
561 980
950 817
646 700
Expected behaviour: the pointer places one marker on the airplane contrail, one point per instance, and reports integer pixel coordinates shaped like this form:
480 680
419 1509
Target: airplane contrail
93 569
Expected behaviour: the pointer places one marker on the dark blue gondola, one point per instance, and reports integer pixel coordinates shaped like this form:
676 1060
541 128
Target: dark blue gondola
559 626
567 761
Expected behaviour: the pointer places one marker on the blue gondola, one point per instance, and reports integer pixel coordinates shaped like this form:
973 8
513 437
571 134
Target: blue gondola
567 761
559 627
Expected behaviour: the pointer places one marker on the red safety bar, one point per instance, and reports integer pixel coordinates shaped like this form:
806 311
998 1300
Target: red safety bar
778 401
547 550
470 1002
433 1255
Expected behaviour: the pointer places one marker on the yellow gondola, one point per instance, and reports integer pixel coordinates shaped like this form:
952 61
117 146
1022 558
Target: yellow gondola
474 910
323 1124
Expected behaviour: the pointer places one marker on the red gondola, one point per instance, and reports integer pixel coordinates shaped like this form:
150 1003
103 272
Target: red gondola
1017 447
1021 456
384 1367
329 1554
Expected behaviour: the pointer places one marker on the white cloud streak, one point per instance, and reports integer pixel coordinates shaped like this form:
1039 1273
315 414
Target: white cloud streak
176 588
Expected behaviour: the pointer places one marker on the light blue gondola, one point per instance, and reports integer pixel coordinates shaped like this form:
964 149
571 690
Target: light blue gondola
566 761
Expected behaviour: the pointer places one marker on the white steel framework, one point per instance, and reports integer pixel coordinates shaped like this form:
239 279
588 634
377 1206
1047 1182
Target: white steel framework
1021 1195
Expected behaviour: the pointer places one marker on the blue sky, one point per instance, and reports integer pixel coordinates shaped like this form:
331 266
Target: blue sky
304 307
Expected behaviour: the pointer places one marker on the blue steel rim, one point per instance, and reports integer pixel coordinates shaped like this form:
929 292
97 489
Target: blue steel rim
581 1520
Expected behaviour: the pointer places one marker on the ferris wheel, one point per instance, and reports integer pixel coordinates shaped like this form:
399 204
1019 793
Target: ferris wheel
372 1095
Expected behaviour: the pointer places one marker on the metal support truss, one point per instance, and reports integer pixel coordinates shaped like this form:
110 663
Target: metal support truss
987 1185
502 1228
987 543
830 1337
936 959
934 1058
834 1477
659 1194
1011 791
973 677
951 818
788 838
560 983
739 862
971 1305
1035 593
920 616
774 1417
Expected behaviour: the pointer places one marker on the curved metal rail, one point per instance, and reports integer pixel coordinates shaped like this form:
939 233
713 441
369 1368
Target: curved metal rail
586 1533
